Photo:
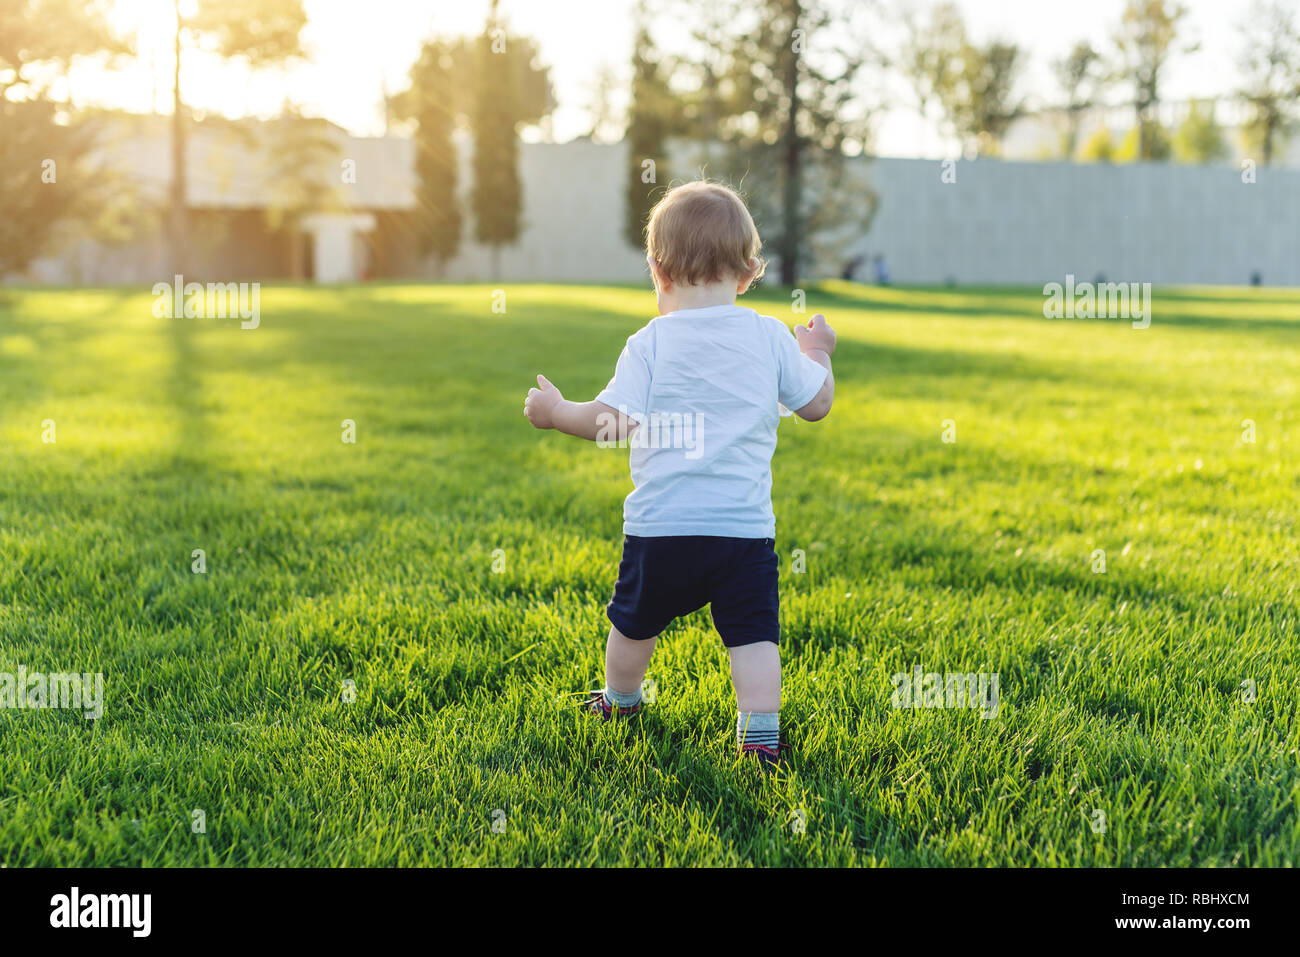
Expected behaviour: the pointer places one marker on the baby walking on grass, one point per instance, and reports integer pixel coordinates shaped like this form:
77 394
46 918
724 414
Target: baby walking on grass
696 396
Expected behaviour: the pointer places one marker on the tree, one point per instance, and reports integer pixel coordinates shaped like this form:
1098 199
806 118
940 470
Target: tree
607 119
40 39
1269 60
1199 138
649 124
435 102
261 32
932 54
498 192
707 110
1150 138
984 104
973 86
1145 42
507 84
456 83
1099 147
53 187
302 176
791 90
1081 80
39 194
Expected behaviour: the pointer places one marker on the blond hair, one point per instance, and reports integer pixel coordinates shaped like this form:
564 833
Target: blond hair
701 232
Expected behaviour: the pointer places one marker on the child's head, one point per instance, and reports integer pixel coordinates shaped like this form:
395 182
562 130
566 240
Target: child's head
701 233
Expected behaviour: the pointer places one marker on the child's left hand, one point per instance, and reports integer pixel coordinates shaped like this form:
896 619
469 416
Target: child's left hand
540 403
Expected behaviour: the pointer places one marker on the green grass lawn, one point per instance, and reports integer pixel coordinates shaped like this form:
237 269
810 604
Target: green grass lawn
1123 692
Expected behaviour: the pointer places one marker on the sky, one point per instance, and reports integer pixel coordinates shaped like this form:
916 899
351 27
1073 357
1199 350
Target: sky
358 48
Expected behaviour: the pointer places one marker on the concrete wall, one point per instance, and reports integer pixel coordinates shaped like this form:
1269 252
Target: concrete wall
999 222
572 216
1032 223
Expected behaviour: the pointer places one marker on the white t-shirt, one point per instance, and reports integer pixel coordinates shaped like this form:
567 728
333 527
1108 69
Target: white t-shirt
704 387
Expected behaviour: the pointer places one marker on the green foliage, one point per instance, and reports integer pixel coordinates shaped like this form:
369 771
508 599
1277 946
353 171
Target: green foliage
987 104
973 85
447 74
435 101
1081 78
1199 138
497 196
1099 147
504 97
303 175
1145 40
52 188
1270 66
38 215
651 120
262 32
1148 141
492 84
787 103
372 563
932 54
303 170
39 40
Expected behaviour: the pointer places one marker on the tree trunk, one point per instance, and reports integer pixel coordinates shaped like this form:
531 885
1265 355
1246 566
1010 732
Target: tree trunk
297 238
792 228
179 224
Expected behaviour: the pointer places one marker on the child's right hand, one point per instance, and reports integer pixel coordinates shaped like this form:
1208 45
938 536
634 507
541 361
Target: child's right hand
817 335
540 403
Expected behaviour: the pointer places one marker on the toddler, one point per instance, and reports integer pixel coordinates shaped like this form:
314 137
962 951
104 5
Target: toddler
696 394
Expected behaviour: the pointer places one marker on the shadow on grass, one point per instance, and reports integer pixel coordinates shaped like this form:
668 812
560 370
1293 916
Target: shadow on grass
55 341
501 356
1173 306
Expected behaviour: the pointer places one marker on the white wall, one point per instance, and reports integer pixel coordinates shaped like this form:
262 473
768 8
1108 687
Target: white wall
572 219
1032 223
1000 222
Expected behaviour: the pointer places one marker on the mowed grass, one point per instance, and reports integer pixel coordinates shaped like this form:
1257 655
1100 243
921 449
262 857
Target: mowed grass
1123 693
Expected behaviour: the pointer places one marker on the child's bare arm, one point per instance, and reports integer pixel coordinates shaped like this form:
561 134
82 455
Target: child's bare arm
546 408
817 341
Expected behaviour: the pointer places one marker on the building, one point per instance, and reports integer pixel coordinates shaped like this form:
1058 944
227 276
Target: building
273 203
288 199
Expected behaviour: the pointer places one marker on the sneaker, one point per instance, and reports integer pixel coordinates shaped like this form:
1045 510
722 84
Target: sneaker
597 705
770 760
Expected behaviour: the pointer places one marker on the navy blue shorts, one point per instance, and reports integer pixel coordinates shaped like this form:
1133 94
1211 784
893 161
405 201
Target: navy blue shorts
666 577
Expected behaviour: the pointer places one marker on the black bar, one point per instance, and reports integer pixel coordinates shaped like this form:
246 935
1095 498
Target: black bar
962 907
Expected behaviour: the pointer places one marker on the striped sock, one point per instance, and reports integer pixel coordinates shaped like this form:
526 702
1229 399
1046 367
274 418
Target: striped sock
758 729
623 700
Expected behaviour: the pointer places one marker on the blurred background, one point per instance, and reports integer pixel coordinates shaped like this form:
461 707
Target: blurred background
965 142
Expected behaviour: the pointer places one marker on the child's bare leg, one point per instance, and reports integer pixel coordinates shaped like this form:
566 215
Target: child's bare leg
625 662
756 673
